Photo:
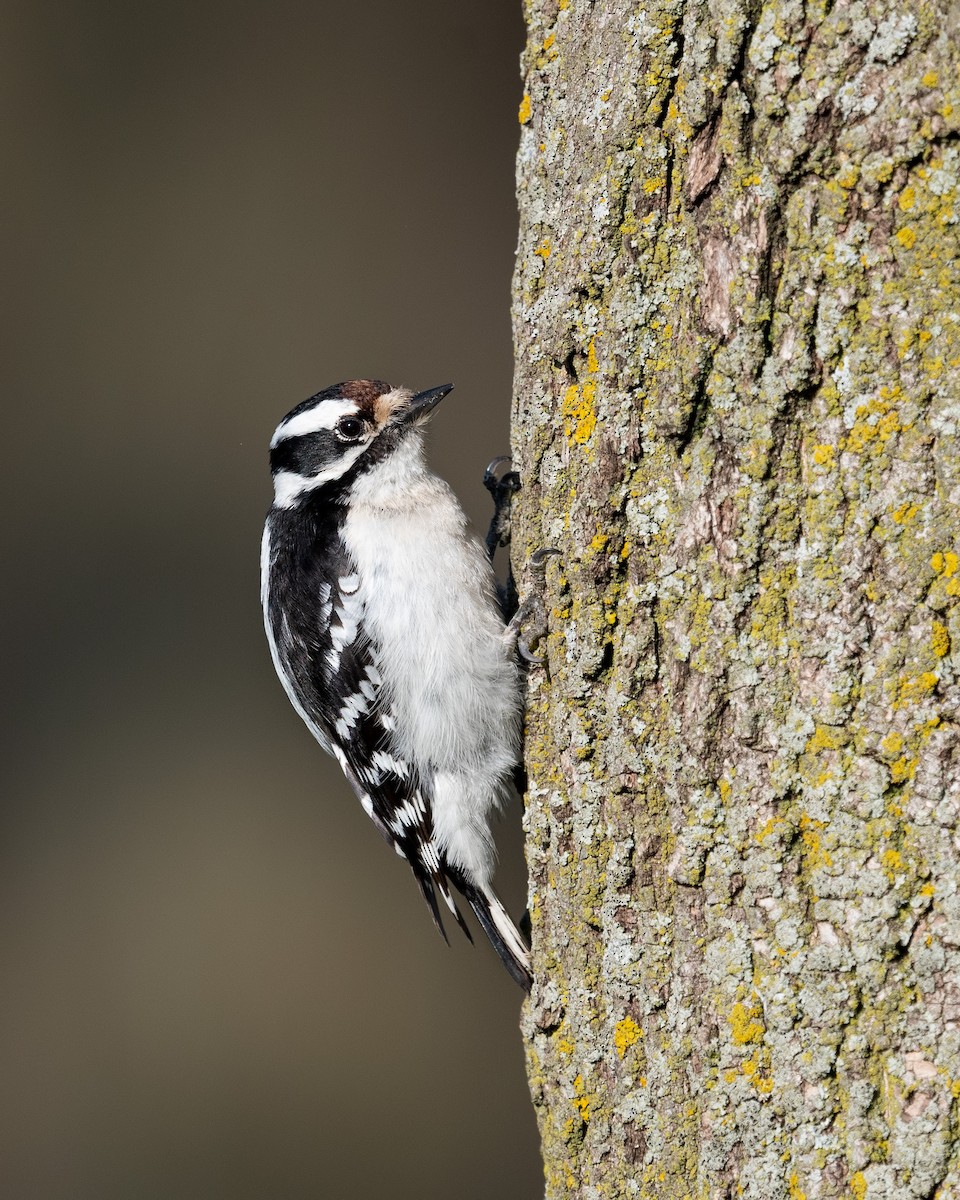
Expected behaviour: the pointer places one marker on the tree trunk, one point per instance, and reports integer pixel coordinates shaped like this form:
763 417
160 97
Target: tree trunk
738 391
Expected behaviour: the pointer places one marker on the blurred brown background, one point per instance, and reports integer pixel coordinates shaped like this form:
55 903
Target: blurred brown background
217 980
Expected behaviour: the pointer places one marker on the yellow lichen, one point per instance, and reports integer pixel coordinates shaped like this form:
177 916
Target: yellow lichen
745 1028
823 455
892 864
525 109
769 828
580 417
902 769
581 1100
905 513
877 420
911 688
940 640
826 737
814 853
625 1034
907 237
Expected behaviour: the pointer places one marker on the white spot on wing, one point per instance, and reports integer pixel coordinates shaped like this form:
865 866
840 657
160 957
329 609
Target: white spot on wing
343 630
406 817
387 763
353 709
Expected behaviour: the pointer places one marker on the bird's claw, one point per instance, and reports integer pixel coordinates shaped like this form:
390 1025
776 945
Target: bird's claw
501 487
532 605
523 649
538 559
492 481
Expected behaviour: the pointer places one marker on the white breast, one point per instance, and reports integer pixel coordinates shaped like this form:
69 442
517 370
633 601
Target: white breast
431 614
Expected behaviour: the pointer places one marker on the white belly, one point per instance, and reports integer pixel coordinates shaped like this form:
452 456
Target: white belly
430 611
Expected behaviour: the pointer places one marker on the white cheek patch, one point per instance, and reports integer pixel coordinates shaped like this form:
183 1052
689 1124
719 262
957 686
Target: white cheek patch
288 486
324 415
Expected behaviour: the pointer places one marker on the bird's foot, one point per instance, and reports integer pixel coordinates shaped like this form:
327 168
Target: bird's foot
501 485
531 612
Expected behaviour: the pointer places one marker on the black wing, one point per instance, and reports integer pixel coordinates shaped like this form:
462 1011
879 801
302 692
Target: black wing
359 726
315 626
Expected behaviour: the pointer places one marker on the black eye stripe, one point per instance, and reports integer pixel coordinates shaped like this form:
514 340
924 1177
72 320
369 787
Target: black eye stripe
306 455
340 460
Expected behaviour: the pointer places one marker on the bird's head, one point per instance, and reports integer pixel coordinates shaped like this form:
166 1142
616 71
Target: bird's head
341 431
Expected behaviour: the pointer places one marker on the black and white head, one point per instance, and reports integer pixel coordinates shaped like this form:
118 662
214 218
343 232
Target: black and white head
342 432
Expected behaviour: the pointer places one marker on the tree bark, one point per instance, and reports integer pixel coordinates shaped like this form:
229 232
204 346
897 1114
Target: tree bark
737 397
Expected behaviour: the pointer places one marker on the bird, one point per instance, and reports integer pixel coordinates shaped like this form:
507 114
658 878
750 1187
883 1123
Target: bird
383 621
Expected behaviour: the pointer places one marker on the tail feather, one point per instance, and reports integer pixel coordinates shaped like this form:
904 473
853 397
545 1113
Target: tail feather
487 907
441 883
499 928
425 883
429 884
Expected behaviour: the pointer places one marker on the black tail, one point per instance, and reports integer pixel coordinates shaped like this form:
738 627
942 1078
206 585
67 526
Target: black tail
499 928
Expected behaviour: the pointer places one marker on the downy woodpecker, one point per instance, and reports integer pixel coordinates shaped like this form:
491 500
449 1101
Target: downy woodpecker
383 622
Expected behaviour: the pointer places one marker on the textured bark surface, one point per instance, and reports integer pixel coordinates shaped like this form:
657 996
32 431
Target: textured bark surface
737 338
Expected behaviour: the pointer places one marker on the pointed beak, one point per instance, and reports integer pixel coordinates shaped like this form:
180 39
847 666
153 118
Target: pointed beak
424 402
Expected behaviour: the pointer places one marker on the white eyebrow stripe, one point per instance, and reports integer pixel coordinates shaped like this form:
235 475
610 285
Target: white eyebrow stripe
322 416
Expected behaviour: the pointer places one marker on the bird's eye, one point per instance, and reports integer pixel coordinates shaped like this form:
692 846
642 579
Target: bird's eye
349 429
